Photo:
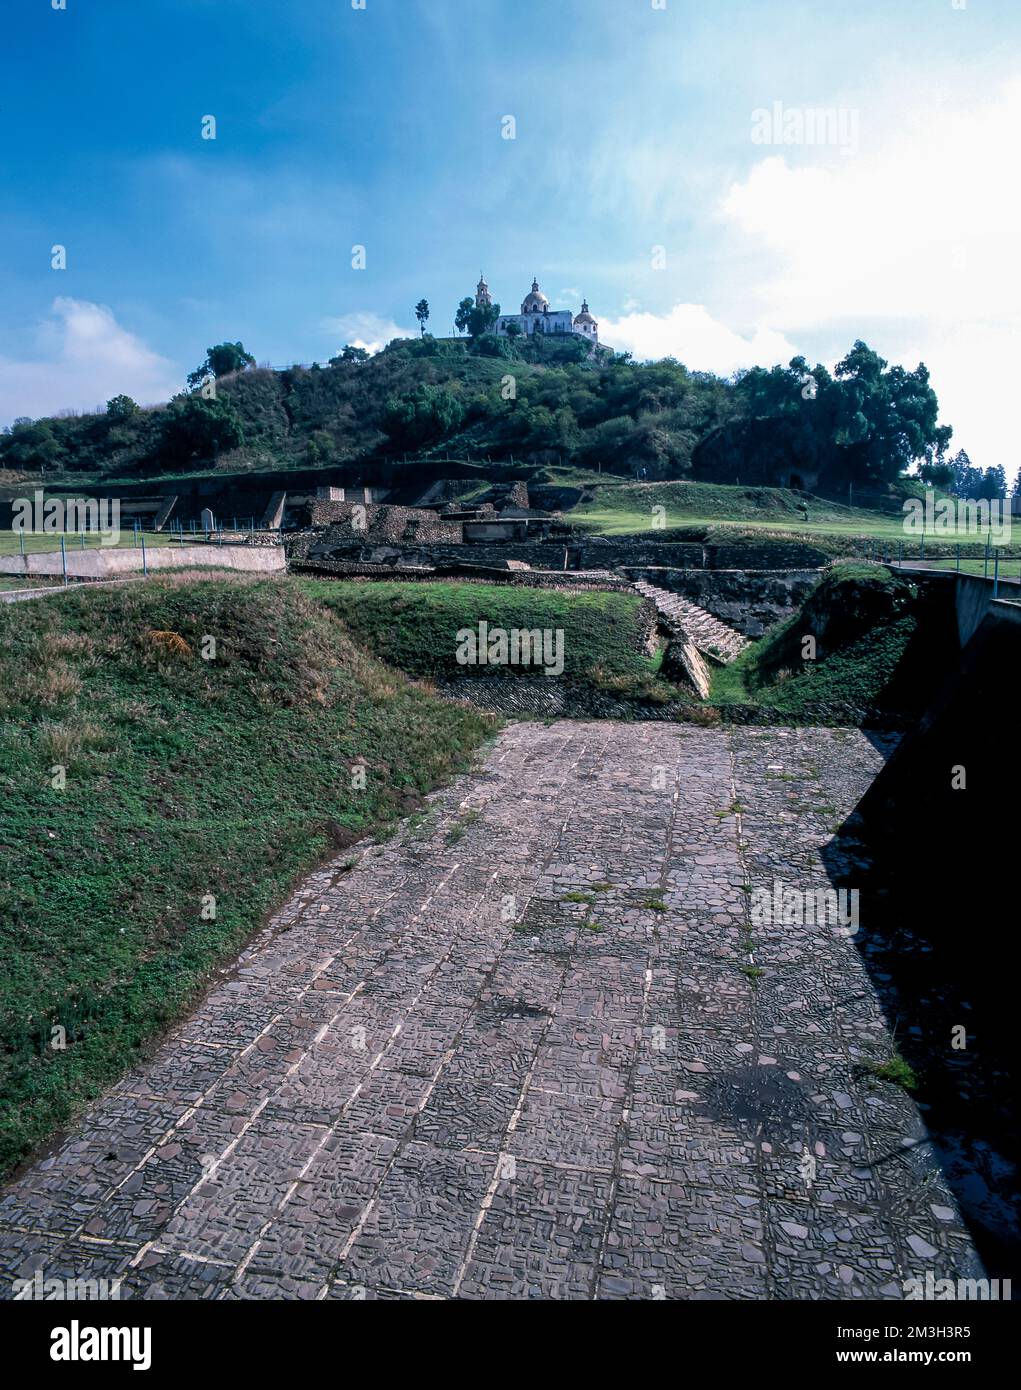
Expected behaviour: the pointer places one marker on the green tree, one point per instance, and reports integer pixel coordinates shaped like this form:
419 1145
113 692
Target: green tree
422 314
221 360
423 416
199 427
30 445
121 408
462 319
993 484
481 318
348 353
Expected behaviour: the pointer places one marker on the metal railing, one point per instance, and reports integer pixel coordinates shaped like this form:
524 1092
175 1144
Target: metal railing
990 565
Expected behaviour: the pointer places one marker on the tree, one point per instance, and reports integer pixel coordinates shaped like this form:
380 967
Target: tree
966 477
462 318
422 314
426 414
513 329
940 473
30 445
350 354
199 427
993 484
867 422
887 416
481 318
121 408
221 360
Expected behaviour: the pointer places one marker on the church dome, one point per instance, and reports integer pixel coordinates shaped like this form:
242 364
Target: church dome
584 316
535 302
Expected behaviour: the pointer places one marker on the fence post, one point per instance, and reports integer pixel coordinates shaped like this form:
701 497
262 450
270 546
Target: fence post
958 557
63 557
21 538
145 558
996 574
985 559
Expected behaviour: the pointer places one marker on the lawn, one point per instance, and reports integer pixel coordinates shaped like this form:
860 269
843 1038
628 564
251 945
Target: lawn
35 543
733 512
414 625
143 782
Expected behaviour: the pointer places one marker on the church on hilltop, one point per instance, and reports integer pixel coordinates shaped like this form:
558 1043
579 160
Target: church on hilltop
537 317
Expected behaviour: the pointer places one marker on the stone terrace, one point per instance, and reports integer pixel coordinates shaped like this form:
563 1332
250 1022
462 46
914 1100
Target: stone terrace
436 1075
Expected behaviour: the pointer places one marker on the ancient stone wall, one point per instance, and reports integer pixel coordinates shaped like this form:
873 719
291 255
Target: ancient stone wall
748 600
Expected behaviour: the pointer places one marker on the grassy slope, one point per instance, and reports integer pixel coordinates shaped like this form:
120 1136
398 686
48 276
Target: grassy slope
413 625
185 777
735 513
852 671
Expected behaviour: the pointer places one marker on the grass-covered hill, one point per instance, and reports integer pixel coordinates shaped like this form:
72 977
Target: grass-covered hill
183 777
414 626
864 641
616 508
419 396
533 403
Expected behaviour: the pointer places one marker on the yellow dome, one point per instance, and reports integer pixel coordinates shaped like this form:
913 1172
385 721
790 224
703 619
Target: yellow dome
535 302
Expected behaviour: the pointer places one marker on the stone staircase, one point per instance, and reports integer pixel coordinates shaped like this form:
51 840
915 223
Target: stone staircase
707 634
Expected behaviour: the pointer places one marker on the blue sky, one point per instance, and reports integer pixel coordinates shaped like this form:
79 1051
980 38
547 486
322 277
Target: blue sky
634 130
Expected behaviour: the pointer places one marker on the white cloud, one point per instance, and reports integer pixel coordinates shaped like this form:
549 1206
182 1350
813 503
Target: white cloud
84 358
365 330
690 333
913 241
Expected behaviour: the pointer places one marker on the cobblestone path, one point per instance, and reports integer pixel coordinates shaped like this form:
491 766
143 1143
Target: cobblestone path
444 1073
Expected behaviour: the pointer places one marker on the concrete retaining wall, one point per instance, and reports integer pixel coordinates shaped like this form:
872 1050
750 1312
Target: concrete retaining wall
106 563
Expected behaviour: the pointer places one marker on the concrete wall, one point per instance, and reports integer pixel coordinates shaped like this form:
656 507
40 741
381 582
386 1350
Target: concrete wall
973 598
100 563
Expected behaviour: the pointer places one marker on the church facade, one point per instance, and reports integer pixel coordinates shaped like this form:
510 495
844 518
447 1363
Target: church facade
537 317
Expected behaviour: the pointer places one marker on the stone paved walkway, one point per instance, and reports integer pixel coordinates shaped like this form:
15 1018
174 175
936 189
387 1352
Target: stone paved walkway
440 1075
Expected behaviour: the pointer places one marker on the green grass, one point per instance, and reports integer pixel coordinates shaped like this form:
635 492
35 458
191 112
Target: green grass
897 1071
46 543
184 778
867 621
463 825
414 625
30 581
619 508
731 514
